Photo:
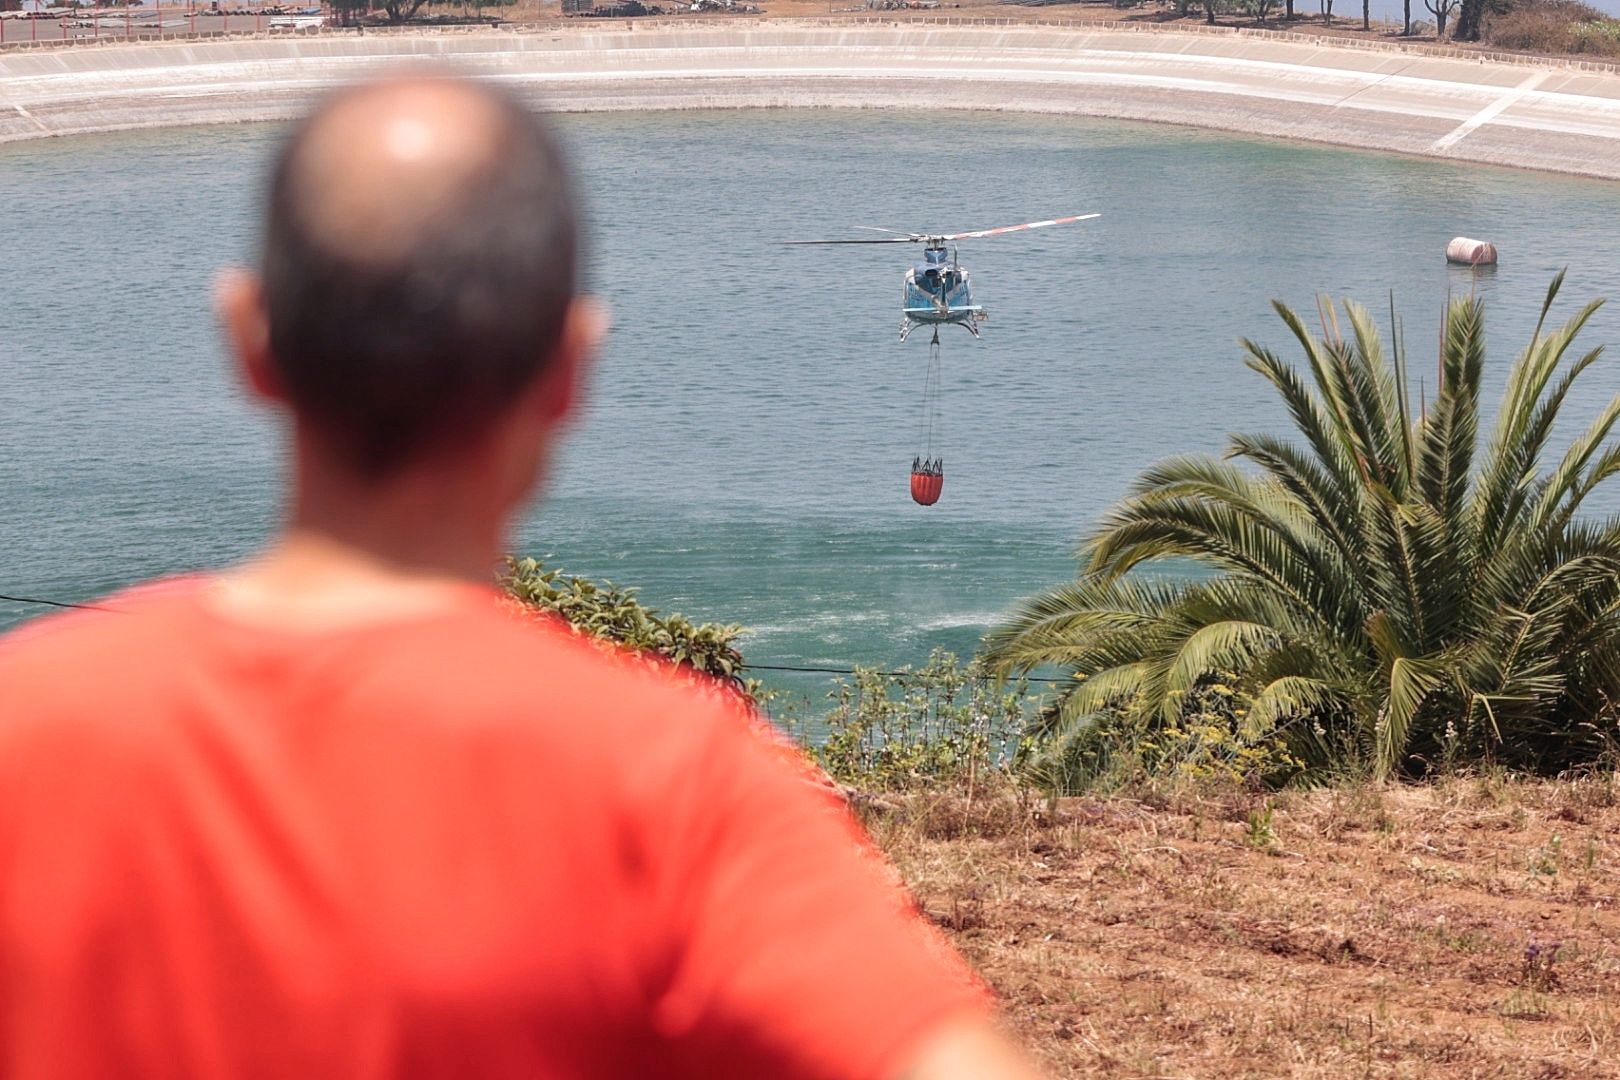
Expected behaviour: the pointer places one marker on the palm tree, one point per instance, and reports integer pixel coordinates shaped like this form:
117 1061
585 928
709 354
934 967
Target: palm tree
1380 598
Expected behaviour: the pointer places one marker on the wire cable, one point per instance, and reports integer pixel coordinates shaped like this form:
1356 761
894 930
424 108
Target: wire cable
889 674
54 603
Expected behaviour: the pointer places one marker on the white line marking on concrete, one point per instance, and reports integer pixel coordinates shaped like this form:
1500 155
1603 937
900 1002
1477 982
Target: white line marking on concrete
1488 113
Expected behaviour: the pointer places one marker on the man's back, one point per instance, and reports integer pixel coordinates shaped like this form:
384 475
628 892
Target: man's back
454 843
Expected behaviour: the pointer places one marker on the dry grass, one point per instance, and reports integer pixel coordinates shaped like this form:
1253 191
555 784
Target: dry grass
1555 28
1360 932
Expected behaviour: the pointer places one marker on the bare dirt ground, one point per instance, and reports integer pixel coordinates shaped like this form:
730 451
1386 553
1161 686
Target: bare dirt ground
1466 929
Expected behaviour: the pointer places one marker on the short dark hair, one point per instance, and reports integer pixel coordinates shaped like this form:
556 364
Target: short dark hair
392 359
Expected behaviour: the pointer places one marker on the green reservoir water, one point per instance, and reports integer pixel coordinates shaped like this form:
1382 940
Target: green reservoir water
744 456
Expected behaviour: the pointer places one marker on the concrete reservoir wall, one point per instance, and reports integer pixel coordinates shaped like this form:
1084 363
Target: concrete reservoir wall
1556 117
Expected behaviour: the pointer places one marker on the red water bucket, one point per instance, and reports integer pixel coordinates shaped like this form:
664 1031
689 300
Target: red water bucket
926 486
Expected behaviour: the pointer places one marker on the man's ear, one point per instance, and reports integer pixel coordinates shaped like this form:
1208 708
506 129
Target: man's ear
561 385
239 301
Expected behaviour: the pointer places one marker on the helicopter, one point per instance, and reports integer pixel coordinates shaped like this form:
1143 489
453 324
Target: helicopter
939 290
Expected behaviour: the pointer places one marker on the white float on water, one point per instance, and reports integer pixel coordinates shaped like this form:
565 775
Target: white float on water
1471 252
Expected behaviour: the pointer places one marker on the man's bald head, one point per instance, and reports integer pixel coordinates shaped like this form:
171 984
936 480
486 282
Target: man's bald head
419 260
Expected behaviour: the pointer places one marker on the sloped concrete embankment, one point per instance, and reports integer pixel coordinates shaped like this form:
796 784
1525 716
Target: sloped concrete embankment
1554 117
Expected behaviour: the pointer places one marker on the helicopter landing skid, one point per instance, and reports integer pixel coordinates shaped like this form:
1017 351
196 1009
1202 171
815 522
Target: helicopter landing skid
907 326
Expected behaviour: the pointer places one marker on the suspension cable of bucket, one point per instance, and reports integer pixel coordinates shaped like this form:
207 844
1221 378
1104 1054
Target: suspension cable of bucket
927 471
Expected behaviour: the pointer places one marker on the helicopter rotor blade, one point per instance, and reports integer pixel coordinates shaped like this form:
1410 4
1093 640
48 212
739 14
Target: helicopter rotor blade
884 240
1017 228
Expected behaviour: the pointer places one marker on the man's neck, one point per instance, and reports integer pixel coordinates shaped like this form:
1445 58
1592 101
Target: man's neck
429 522
354 553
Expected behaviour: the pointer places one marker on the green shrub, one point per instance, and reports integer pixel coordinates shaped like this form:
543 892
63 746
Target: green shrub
1206 743
610 613
941 726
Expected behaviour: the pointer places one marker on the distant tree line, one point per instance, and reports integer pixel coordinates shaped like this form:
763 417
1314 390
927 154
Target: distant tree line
1554 26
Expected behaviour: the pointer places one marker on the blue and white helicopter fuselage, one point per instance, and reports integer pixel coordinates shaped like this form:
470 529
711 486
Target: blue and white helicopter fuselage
938 291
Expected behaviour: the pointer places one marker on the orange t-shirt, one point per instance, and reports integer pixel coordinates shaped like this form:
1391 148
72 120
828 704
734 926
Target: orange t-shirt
457 845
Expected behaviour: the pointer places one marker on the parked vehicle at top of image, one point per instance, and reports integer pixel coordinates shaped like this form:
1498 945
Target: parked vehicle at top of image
297 22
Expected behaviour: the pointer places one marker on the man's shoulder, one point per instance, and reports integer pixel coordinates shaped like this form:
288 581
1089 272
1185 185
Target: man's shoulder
78 680
614 676
542 661
94 638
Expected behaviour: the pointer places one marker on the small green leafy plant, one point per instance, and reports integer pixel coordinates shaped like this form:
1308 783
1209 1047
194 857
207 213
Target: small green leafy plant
1261 835
938 726
610 613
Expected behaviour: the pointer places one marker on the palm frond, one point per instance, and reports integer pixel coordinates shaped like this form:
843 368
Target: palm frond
1289 697
1054 626
1564 486
1447 436
1410 681
1212 647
